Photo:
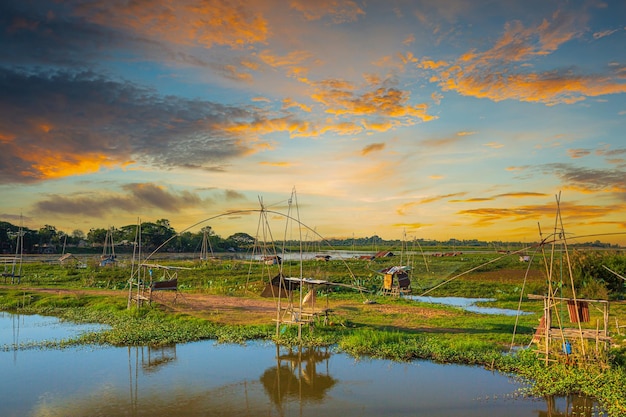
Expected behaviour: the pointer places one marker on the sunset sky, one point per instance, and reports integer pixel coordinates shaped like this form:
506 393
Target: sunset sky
435 119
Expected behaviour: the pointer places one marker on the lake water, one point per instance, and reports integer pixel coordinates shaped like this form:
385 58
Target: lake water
258 379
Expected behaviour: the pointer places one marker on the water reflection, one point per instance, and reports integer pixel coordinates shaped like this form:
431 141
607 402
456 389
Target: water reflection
208 379
295 376
23 330
574 406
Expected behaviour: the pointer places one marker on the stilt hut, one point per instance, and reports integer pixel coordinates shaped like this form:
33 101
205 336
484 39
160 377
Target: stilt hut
396 280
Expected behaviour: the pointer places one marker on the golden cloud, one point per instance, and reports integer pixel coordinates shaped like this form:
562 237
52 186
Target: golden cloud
412 226
491 74
289 103
569 212
51 164
402 209
281 164
388 102
431 65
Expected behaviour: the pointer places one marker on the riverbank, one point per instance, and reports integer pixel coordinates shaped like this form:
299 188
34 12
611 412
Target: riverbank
390 328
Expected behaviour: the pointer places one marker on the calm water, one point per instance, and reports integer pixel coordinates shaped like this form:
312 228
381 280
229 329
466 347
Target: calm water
258 379
23 329
468 304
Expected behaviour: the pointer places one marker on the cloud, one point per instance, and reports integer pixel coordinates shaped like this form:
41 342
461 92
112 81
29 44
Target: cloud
15 218
522 194
378 110
403 209
487 216
232 195
493 73
578 153
494 145
276 163
84 122
614 156
289 103
137 197
412 226
605 33
339 98
374 147
516 168
590 179
185 22
339 11
497 196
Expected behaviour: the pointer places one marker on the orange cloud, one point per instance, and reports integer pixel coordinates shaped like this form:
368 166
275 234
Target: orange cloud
266 126
187 22
473 200
569 211
292 59
492 74
578 153
276 164
402 209
387 102
51 164
430 64
440 197
7 137
412 226
514 168
289 103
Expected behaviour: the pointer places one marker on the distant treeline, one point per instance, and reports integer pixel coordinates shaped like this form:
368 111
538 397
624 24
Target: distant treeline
155 234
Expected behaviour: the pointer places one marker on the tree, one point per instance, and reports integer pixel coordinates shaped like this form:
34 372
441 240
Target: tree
48 235
96 236
156 234
240 240
78 235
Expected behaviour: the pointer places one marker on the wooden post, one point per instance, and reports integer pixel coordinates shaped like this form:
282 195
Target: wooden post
548 324
606 319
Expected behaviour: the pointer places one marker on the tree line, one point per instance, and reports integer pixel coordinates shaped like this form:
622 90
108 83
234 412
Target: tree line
48 239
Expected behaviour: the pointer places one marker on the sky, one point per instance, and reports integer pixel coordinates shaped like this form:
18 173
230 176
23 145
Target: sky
425 119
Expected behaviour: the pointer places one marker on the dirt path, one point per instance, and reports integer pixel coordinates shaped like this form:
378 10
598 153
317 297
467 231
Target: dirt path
220 308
